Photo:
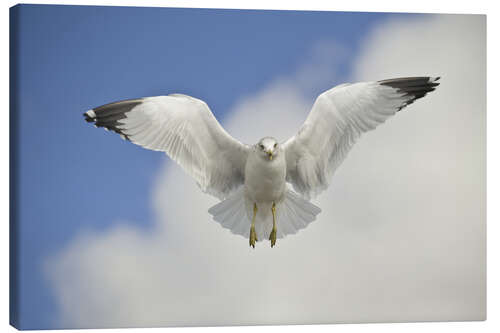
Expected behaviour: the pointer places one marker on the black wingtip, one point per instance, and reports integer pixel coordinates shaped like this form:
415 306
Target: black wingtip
88 118
414 87
109 115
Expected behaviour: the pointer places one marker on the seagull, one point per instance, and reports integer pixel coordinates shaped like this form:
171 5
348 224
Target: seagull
264 189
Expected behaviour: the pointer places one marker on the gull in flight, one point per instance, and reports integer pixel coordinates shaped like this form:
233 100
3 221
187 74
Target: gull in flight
252 180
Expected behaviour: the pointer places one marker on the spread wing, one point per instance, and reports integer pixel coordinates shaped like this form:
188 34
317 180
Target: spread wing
337 119
185 129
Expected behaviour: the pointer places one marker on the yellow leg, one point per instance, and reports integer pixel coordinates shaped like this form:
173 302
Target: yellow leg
272 236
253 235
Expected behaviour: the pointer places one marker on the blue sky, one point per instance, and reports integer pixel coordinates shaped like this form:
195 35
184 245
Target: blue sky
73 177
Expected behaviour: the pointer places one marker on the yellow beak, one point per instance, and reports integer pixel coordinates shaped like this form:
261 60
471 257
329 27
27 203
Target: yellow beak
270 154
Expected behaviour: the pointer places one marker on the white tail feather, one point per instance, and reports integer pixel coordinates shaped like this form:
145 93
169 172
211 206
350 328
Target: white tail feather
293 213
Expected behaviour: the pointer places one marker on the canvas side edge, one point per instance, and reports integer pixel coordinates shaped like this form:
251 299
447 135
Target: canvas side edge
14 318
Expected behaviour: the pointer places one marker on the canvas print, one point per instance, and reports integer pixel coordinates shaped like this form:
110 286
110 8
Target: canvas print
276 167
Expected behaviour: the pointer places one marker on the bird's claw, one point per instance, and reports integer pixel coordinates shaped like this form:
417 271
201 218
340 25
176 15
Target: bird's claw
253 237
272 237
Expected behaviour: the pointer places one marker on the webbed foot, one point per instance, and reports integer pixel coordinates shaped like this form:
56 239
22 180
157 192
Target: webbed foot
272 237
253 237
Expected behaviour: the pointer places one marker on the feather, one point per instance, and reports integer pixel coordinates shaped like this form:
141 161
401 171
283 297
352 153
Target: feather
185 129
338 118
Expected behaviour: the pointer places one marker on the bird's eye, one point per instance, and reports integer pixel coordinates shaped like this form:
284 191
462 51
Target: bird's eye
262 147
275 145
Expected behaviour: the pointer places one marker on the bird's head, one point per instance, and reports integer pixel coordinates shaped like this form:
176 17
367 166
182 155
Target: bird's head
268 148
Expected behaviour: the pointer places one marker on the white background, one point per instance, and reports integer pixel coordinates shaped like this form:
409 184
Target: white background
479 7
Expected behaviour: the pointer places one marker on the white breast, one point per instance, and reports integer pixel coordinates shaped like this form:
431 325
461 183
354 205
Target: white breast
265 179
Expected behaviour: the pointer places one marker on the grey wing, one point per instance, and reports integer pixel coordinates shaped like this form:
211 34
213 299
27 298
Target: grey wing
337 119
185 129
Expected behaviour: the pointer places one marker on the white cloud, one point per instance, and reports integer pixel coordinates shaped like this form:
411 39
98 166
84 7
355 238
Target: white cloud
402 232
